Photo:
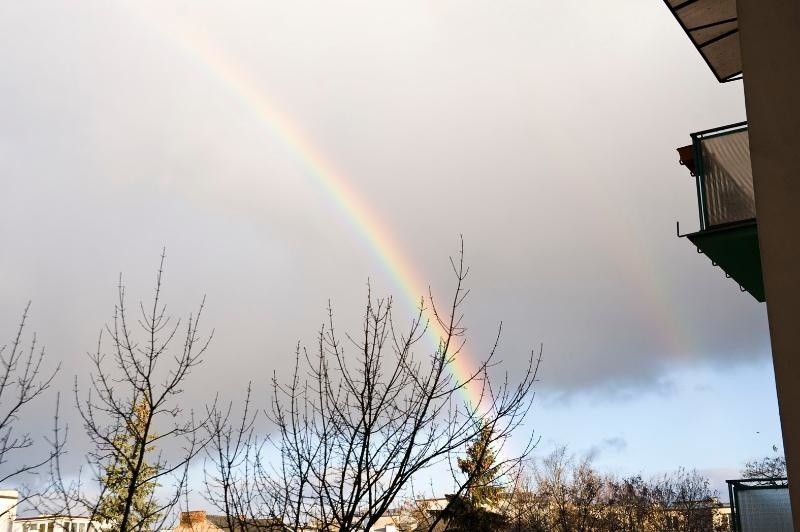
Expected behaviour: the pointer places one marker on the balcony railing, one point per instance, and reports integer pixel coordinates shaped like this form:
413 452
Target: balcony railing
719 159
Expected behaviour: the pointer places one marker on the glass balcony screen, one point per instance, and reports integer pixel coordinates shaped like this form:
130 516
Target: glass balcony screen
765 510
728 178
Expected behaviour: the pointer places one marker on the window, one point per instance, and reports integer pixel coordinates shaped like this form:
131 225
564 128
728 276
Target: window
51 526
82 527
74 527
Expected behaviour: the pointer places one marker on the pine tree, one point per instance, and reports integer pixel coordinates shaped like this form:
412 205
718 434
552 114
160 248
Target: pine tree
120 474
479 467
474 509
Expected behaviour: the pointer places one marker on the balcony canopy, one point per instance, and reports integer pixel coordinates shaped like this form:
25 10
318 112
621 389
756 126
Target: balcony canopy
713 28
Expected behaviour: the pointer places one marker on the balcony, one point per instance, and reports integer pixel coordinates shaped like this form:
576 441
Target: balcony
719 159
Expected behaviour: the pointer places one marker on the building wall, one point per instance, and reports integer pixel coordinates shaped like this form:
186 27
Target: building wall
52 524
195 521
770 40
8 509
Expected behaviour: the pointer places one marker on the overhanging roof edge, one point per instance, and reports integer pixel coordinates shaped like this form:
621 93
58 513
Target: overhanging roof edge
698 46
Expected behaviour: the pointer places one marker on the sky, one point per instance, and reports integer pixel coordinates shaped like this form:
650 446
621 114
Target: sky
285 153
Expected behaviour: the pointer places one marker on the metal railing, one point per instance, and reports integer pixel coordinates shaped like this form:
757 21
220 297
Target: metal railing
760 505
721 166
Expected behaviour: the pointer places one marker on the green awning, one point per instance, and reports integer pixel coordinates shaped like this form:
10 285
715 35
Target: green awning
734 248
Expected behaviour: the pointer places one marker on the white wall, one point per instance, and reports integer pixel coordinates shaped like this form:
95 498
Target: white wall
8 509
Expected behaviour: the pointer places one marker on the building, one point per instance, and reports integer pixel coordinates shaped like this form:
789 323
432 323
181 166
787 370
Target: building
528 511
412 515
8 509
395 521
55 523
200 521
700 516
758 42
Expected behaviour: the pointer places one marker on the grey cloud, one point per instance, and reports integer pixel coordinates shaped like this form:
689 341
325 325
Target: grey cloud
543 133
615 444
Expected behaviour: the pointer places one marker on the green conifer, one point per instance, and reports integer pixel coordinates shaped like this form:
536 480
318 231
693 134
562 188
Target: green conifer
480 468
119 473
475 508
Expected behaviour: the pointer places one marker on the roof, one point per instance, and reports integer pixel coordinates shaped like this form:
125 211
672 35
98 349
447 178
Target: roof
53 516
713 28
247 525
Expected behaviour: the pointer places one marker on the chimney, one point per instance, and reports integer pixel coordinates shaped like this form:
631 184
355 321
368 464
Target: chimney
192 518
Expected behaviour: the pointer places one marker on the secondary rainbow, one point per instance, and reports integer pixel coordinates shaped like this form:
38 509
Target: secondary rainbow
347 200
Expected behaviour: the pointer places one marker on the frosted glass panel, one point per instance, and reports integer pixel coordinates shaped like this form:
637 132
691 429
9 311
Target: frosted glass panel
764 510
728 178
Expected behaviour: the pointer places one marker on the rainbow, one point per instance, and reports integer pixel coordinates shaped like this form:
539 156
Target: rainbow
343 195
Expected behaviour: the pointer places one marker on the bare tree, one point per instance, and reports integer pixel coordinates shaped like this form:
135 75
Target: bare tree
142 438
630 503
363 415
570 495
525 509
589 498
230 456
771 469
23 379
683 501
553 488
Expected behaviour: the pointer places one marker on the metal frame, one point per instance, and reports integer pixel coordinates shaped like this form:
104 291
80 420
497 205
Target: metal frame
697 139
735 486
698 46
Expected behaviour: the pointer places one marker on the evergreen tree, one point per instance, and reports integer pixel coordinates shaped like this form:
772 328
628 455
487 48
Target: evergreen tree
479 467
475 509
120 476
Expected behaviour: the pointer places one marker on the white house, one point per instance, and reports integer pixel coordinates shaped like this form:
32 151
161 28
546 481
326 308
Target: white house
53 523
8 509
